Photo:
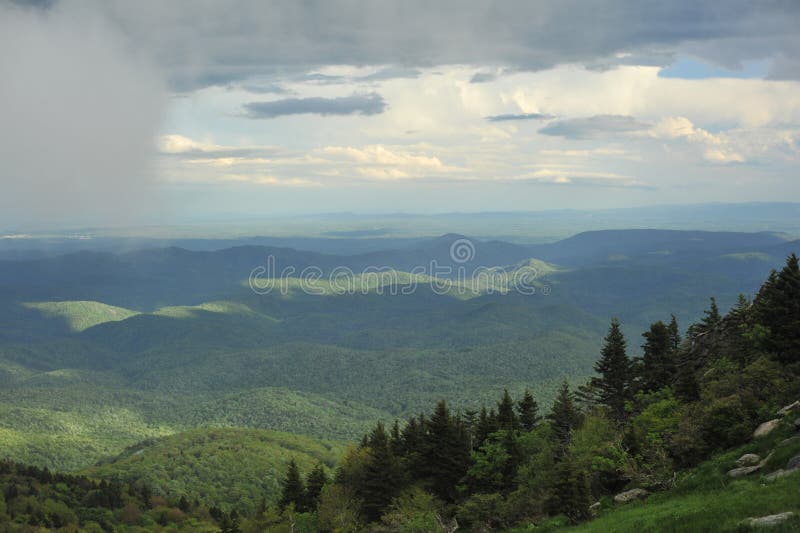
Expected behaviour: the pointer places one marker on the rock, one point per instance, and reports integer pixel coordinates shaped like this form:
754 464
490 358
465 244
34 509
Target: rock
790 441
794 462
792 407
796 424
769 520
748 459
743 471
631 495
766 428
779 473
594 508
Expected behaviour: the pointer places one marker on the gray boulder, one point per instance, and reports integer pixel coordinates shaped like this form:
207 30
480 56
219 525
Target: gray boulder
631 495
791 441
766 428
748 459
769 520
779 473
743 471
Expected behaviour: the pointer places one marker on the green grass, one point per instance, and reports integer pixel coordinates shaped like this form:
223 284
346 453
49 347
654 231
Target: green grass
81 315
230 468
706 499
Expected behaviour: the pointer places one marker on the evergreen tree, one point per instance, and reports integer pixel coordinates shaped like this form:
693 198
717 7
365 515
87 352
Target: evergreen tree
315 482
778 309
563 418
446 455
614 367
528 411
658 358
487 424
505 412
569 494
381 475
674 334
293 491
711 318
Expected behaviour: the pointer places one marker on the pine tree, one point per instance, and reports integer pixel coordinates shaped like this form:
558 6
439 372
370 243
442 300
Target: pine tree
674 334
315 482
564 417
614 367
711 318
570 493
293 491
528 411
381 476
778 309
658 358
505 412
446 454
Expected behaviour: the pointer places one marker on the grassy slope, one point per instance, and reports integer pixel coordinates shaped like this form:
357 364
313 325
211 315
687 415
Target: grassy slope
706 499
81 315
224 467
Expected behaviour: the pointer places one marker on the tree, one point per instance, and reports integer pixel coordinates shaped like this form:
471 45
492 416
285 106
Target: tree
505 412
658 358
570 492
614 367
381 476
564 417
528 411
315 482
446 454
711 318
674 334
778 309
293 491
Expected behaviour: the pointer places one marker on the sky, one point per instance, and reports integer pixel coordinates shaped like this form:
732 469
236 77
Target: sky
120 112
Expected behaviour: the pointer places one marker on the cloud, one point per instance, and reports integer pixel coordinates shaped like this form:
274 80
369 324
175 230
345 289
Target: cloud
483 77
366 104
80 115
209 43
597 126
519 116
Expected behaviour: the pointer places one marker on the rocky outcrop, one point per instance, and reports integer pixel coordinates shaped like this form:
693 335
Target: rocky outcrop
748 459
746 470
769 520
792 466
791 408
743 471
766 428
791 441
631 495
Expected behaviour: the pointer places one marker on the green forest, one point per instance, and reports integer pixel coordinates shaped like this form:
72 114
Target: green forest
698 433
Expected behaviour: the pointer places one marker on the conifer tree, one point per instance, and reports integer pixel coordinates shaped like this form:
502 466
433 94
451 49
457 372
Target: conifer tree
528 411
614 367
570 493
564 417
293 491
778 309
446 455
674 334
315 482
381 475
658 358
505 412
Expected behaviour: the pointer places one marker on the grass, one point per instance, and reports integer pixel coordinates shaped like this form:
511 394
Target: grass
706 499
81 315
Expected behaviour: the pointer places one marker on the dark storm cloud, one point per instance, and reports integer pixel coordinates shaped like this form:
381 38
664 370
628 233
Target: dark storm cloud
366 104
594 127
210 43
519 116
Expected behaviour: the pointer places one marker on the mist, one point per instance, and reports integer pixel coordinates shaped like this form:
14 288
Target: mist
80 110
